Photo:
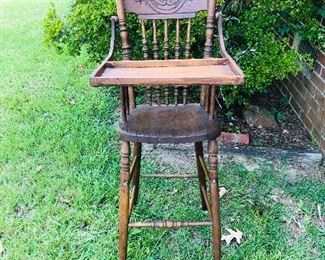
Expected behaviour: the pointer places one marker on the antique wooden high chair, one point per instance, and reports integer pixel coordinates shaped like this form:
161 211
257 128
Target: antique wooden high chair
162 122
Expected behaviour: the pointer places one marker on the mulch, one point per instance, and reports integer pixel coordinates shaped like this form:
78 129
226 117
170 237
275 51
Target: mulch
289 134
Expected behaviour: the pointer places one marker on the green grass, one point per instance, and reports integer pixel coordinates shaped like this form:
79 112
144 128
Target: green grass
59 165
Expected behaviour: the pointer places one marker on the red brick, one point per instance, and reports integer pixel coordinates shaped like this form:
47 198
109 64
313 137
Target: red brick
296 107
320 98
322 75
233 138
322 117
310 85
322 145
316 134
302 101
318 68
318 81
307 122
321 58
316 120
305 86
313 104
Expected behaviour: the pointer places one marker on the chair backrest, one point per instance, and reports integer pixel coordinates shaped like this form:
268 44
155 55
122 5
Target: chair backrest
148 12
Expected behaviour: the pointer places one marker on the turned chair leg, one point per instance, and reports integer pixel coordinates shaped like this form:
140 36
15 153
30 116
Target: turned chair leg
124 199
202 180
214 194
136 176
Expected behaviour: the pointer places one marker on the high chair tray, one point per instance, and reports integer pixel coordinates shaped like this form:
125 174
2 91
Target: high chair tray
212 71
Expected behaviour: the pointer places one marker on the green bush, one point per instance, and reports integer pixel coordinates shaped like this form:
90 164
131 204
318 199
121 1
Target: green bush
255 34
53 27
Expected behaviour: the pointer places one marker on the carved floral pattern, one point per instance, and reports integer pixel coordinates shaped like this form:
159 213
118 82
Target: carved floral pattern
164 6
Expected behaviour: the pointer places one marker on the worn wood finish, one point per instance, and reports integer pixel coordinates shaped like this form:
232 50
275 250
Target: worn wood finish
166 124
166 45
167 117
212 71
178 40
170 176
188 40
202 181
215 209
168 224
156 9
136 177
124 199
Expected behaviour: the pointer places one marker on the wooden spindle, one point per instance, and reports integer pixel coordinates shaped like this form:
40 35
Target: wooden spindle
176 95
149 96
146 57
123 30
144 41
155 42
168 224
185 94
131 98
166 46
207 101
209 28
158 95
166 92
127 104
188 40
212 101
202 96
177 45
123 107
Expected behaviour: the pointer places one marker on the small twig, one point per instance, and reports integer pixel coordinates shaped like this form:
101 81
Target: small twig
297 222
218 101
319 212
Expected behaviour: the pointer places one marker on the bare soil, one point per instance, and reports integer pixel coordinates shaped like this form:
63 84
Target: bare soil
290 132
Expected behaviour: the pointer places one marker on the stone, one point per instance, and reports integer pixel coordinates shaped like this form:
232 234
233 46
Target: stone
259 117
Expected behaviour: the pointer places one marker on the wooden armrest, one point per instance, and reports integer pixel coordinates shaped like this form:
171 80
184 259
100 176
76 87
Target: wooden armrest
222 47
114 20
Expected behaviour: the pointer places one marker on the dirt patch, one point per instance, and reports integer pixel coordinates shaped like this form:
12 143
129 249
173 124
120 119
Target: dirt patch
290 132
179 158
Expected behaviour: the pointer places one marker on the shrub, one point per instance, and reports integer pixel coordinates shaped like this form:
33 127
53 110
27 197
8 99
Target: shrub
255 34
53 27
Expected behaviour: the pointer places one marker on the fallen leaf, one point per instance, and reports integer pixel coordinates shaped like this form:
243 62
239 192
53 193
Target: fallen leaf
232 235
222 191
71 101
39 168
64 200
1 248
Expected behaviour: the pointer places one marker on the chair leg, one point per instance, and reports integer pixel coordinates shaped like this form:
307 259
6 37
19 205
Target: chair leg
202 181
214 194
124 200
136 176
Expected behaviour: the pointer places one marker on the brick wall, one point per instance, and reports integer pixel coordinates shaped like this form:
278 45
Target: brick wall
306 94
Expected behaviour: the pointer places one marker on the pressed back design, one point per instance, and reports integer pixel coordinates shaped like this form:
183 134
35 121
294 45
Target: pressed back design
165 9
149 11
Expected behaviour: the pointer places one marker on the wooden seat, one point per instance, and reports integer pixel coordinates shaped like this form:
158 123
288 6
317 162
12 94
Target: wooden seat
157 125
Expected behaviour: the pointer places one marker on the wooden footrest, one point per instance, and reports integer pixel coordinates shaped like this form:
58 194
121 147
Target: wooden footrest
168 224
170 176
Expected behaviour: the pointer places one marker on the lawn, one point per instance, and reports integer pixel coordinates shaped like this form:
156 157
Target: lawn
59 165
